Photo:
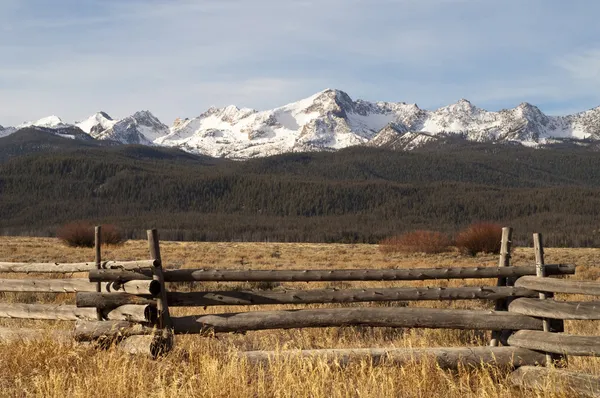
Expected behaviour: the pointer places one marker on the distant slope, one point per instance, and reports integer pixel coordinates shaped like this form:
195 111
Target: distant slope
358 194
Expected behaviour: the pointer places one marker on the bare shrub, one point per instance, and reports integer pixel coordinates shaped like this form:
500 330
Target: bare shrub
111 235
81 234
480 238
416 242
77 234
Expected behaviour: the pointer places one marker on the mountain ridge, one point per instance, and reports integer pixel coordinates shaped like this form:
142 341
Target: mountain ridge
331 120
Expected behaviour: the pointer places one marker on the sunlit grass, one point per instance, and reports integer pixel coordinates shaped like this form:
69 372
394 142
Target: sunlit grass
209 366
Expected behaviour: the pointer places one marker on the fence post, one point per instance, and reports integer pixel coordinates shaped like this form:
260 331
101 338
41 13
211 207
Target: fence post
164 318
98 260
540 271
504 261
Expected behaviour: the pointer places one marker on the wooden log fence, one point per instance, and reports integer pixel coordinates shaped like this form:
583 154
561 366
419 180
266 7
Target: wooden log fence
68 268
326 275
74 285
297 296
127 302
556 381
504 261
445 358
65 312
403 317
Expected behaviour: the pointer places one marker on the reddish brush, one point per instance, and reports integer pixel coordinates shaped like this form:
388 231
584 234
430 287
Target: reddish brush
480 238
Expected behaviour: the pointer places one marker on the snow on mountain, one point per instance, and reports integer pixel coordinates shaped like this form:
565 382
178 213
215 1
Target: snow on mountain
97 123
6 131
331 120
328 120
47 122
140 128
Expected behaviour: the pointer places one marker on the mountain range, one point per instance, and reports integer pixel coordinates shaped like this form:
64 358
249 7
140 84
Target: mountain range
328 121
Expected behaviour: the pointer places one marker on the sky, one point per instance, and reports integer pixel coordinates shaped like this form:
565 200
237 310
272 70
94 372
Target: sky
176 58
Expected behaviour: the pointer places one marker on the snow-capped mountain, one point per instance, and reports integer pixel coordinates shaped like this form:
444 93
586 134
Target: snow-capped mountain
140 128
330 120
96 124
5 131
49 122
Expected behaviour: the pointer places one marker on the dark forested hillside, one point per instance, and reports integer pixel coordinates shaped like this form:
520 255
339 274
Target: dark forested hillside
354 195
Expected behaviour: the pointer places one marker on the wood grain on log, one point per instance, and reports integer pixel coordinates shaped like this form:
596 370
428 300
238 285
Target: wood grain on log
446 358
567 310
556 343
139 265
551 380
405 274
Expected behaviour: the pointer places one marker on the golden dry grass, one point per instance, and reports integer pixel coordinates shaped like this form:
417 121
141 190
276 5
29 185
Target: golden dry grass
207 366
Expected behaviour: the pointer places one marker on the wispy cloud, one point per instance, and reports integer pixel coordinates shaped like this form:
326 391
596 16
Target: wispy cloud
177 57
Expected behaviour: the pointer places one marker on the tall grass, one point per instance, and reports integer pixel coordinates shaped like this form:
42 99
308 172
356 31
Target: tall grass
422 241
209 367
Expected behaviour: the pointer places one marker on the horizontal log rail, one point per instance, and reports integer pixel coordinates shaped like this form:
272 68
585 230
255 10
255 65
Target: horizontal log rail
407 274
74 285
566 310
556 343
327 296
140 265
295 296
64 312
446 358
403 317
552 380
559 285
109 301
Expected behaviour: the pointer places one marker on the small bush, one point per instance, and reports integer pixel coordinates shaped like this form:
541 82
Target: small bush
111 235
480 238
416 242
81 234
77 234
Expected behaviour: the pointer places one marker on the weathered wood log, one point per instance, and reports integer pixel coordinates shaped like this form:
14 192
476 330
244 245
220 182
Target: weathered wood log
295 296
98 261
74 285
64 312
261 297
556 343
567 310
322 275
402 317
556 381
11 335
504 261
133 313
291 319
151 287
138 265
148 345
446 358
164 317
109 330
559 285
61 312
109 301
337 317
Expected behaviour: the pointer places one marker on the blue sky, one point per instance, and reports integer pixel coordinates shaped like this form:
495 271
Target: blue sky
176 58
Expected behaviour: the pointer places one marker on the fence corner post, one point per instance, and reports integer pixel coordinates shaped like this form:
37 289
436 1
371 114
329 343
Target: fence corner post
540 272
504 261
165 324
98 261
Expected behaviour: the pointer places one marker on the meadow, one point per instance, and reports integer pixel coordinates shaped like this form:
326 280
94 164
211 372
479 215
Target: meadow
209 367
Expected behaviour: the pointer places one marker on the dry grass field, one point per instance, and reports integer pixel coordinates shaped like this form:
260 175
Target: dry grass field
207 366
